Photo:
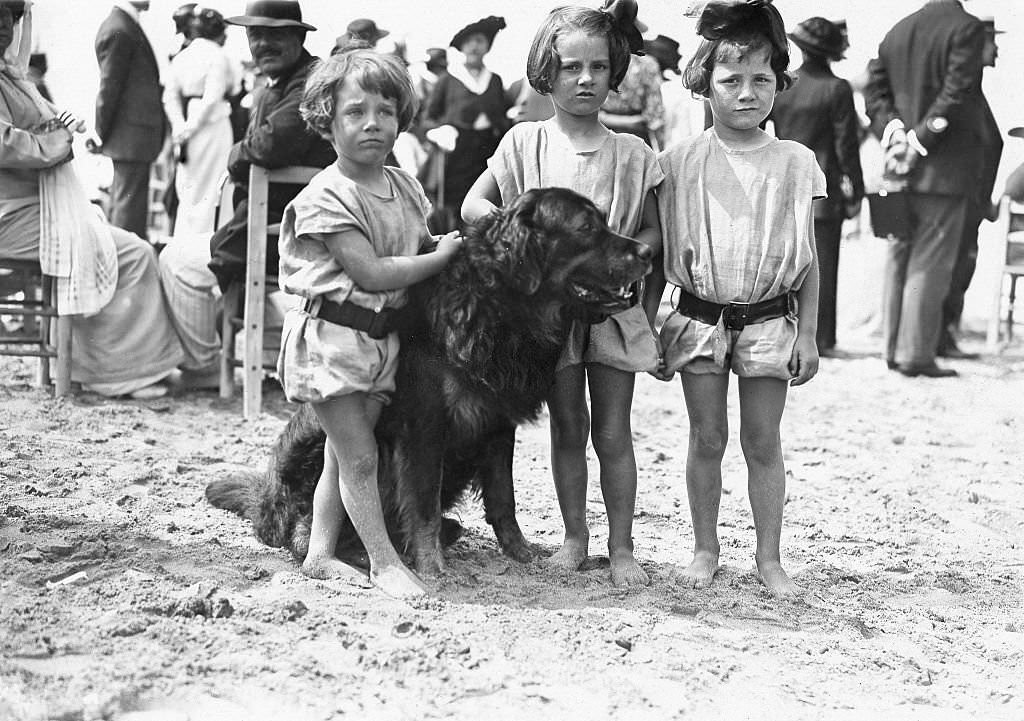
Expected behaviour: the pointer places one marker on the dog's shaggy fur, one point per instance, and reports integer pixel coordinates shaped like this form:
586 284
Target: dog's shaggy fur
479 360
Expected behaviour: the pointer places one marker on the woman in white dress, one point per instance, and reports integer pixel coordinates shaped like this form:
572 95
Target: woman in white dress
195 101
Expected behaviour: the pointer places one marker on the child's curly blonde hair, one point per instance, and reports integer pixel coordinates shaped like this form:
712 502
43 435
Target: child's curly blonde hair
375 73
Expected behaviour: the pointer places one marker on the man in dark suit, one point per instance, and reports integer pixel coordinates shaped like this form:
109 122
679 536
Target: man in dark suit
818 112
277 136
981 208
925 102
130 120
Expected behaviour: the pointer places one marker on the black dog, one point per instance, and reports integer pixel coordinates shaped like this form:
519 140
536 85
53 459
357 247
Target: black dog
480 359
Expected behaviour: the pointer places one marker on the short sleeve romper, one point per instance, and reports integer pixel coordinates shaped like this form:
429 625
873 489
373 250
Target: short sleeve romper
616 177
737 227
319 359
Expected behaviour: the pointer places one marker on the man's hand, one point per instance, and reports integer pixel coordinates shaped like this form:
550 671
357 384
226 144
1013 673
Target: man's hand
900 158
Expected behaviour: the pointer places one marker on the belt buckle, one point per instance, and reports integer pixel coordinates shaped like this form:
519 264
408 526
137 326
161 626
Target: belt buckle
736 315
380 324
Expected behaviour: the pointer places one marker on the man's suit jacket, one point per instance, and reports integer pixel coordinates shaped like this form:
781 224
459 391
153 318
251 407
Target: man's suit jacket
818 112
928 74
129 109
277 136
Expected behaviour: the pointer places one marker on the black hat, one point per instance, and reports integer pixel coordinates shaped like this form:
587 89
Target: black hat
270 14
182 17
819 36
366 29
990 25
488 26
666 51
208 23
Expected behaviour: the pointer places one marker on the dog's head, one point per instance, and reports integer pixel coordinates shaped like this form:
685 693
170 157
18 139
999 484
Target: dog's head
556 242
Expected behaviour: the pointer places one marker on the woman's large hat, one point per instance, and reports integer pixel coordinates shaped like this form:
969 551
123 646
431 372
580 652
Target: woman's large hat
270 14
488 26
819 36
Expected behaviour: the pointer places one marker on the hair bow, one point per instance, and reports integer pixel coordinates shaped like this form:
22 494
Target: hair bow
720 18
623 14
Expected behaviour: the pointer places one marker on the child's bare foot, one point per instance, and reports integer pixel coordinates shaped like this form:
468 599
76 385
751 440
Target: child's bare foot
701 571
570 556
398 582
328 567
777 581
626 572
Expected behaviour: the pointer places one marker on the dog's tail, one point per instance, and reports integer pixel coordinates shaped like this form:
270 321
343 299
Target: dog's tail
262 500
235 493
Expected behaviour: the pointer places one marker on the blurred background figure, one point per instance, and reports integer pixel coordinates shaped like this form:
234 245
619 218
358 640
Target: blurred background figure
926 105
182 19
637 107
466 117
526 103
362 29
818 112
37 67
979 208
130 120
685 115
195 99
122 340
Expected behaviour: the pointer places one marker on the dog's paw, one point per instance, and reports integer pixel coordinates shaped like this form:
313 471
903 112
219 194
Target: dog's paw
522 550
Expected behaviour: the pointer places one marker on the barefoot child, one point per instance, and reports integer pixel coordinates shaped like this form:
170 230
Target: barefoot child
349 244
577 57
739 247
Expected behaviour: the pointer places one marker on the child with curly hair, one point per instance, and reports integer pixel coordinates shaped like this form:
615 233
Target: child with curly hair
349 244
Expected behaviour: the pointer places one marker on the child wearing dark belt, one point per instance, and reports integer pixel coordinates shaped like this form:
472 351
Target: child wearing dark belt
738 228
349 244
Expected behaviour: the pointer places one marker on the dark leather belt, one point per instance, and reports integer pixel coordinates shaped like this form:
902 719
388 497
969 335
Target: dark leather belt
736 315
376 324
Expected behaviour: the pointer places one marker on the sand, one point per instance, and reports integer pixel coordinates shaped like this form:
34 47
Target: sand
124 596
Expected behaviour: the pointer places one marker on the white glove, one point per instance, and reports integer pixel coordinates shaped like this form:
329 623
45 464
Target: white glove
444 137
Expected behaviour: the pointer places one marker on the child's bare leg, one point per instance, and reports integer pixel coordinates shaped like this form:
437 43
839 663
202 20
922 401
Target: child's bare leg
611 397
762 401
570 426
328 517
705 395
349 422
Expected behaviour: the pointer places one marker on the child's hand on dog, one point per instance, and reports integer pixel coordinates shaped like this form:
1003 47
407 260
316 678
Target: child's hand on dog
448 243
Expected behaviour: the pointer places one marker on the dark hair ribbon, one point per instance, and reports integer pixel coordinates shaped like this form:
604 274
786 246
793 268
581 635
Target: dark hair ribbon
724 18
623 14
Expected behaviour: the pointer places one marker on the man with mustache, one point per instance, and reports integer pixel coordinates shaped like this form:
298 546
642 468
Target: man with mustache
277 136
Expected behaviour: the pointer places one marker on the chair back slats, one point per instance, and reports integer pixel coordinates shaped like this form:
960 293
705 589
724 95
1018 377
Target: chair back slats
254 292
1011 254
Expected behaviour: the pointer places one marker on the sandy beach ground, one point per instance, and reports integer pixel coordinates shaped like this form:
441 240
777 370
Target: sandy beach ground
124 596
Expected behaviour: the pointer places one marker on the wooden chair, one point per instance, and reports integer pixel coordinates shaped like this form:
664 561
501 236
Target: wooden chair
250 298
46 334
1011 255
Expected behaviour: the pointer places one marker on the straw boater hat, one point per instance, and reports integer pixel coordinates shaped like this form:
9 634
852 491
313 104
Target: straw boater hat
488 26
819 36
270 14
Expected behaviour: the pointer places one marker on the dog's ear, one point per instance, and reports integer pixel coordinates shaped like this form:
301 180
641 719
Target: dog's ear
524 248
